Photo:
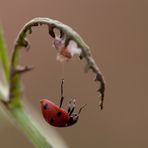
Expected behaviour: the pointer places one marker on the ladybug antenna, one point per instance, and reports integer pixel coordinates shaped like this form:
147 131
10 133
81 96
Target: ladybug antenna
81 108
62 91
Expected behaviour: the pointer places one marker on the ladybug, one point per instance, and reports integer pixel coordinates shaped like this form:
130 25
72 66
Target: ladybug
58 117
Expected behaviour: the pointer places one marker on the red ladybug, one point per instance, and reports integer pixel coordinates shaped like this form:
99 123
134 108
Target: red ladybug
57 116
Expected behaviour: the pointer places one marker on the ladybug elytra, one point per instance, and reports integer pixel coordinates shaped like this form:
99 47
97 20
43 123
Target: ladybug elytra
56 116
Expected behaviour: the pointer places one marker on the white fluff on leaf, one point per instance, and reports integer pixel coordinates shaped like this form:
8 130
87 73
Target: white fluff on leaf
68 52
73 48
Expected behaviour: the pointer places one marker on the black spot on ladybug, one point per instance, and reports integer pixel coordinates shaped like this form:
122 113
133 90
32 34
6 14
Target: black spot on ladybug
51 121
45 106
59 114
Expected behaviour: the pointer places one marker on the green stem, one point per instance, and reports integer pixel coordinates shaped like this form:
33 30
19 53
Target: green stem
29 128
4 56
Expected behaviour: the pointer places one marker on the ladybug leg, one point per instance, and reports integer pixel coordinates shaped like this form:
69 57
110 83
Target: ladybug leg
71 108
62 97
81 108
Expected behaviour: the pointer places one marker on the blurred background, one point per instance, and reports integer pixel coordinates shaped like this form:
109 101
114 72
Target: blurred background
117 34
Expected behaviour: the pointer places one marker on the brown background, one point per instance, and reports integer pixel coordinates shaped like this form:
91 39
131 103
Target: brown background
117 32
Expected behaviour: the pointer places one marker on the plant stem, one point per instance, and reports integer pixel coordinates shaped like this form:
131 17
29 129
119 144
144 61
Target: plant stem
4 56
29 128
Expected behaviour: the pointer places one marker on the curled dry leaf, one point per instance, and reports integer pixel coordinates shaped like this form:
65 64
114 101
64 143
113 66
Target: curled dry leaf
68 43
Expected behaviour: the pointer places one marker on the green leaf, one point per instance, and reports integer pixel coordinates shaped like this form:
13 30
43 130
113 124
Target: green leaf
29 128
4 59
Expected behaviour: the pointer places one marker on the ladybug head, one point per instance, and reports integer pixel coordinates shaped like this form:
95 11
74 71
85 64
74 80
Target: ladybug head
73 117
